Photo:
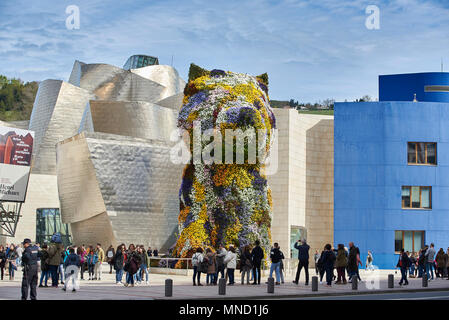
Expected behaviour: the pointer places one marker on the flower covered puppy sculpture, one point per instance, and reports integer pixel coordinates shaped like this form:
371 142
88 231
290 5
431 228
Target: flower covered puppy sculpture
225 202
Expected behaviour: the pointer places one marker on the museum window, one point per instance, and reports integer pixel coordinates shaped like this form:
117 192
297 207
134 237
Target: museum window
48 222
422 153
296 233
411 241
414 197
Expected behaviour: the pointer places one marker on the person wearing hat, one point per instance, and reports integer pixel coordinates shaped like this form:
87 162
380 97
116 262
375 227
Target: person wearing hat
29 263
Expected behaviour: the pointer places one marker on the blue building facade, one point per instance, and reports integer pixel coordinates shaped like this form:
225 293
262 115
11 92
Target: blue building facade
428 86
391 173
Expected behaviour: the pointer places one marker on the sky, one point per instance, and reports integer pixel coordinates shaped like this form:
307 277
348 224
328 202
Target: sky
311 49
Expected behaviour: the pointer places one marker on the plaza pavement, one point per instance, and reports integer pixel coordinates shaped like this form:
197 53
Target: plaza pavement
106 289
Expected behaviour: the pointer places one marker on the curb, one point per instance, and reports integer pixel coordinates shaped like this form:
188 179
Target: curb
309 295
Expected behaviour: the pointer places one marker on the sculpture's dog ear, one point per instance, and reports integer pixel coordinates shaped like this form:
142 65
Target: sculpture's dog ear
196 72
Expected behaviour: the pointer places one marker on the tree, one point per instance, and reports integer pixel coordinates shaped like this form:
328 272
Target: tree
365 98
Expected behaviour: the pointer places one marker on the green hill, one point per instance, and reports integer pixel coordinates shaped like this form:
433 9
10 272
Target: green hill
16 99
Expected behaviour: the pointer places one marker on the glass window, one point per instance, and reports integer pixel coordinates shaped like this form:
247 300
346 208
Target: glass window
296 233
405 197
432 153
421 152
398 241
48 221
411 241
418 240
408 241
425 197
415 197
411 152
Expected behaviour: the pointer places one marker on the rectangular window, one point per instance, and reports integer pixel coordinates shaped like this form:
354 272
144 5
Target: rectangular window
411 241
414 197
424 153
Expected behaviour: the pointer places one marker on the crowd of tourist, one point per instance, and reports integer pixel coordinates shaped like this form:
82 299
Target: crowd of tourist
345 261
54 260
133 262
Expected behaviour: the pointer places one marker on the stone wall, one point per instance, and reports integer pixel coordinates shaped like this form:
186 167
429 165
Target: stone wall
302 188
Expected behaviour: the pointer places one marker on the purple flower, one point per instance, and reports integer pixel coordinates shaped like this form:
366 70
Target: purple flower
217 73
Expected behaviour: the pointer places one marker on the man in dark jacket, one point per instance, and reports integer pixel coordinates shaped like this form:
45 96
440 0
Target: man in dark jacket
119 260
352 261
276 257
257 256
403 264
303 260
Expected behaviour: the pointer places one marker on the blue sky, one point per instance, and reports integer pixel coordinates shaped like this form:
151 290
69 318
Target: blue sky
311 49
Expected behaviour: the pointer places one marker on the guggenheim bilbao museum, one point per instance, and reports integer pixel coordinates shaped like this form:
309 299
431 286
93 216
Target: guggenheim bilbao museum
101 160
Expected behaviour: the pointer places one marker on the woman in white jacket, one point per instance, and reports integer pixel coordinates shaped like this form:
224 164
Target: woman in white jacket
231 263
197 258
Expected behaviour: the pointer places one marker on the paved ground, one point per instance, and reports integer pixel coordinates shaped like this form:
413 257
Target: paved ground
420 295
107 289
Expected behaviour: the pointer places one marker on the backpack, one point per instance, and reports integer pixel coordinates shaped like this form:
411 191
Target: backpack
56 238
203 266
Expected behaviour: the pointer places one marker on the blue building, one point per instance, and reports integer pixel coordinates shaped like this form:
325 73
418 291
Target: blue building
391 168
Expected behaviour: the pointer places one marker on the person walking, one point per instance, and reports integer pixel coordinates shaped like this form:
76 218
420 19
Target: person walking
328 260
316 257
81 252
231 263
369 261
197 259
257 255
61 265
44 266
447 263
55 251
341 264
92 259
421 262
403 264
276 257
246 264
430 257
11 256
119 261
109 256
100 254
3 260
441 262
412 265
221 254
352 261
211 268
303 260
145 265
29 261
281 266
72 260
132 266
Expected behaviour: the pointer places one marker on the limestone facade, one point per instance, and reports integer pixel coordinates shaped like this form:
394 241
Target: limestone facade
302 187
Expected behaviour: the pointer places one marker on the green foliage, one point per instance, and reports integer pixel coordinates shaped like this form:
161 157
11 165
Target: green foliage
278 103
16 99
264 78
196 72
320 112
